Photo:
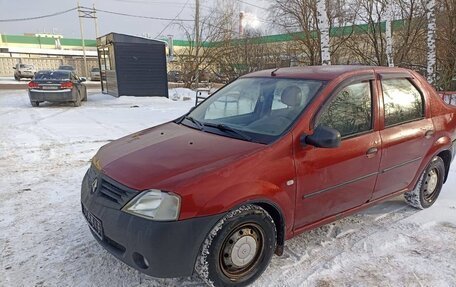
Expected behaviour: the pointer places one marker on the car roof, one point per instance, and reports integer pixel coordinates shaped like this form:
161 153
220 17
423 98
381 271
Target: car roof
53 71
324 73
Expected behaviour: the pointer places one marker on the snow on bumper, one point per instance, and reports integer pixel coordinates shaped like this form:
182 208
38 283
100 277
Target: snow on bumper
159 249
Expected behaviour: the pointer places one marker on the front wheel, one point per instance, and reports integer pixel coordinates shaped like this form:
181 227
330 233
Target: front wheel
429 185
238 249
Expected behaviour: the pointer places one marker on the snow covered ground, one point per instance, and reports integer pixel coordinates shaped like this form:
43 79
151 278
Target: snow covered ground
45 241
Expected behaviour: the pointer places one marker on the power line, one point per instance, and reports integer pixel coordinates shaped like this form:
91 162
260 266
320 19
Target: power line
140 16
38 17
253 5
172 21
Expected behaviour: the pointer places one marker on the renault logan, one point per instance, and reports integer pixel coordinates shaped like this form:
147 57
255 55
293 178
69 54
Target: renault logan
271 155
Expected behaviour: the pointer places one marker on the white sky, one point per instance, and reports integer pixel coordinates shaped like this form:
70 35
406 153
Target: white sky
68 24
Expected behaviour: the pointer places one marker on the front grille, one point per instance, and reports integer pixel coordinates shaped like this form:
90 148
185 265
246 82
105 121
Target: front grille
109 192
112 192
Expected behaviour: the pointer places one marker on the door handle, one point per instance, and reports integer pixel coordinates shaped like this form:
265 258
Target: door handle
371 152
429 134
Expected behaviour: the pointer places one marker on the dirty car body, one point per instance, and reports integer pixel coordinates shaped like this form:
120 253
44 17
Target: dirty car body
273 154
56 86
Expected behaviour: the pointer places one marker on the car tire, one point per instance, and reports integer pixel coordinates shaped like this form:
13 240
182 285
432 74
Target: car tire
35 104
238 248
77 103
17 78
84 93
429 185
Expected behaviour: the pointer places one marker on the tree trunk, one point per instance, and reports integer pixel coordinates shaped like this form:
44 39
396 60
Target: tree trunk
323 24
389 34
431 49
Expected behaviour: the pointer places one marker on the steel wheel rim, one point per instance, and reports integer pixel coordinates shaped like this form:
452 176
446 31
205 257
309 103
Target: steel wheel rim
430 184
241 250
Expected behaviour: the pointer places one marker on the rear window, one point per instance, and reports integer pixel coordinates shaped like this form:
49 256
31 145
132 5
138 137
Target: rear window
66 68
52 75
95 69
26 66
403 102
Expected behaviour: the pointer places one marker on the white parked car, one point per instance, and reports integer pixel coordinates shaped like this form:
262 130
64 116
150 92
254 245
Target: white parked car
24 71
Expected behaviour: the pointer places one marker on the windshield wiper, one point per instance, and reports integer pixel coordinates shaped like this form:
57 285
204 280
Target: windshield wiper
224 127
197 123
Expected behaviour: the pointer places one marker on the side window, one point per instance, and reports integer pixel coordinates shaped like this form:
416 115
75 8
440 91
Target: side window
350 112
402 101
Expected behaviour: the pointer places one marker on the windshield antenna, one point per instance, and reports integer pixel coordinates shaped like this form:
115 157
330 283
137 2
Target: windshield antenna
273 73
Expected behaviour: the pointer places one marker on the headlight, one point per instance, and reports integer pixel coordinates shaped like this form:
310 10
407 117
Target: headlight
155 204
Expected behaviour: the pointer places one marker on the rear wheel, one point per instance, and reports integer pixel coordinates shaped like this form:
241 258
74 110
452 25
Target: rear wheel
77 103
17 78
84 94
35 104
238 249
429 185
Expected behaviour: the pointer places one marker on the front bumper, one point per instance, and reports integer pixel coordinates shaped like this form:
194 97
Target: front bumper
66 95
26 75
159 249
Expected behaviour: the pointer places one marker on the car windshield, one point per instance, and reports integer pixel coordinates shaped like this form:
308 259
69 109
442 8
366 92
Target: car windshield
52 75
95 69
255 109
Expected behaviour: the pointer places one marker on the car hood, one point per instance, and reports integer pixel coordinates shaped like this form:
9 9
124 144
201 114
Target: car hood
145 159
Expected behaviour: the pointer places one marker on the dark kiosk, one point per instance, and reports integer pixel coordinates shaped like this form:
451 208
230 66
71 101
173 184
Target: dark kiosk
132 66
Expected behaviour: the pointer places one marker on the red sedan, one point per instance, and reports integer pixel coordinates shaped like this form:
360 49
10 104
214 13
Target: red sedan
271 155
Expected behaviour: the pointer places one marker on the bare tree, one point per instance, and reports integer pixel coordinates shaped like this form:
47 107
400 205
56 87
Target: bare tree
409 50
300 18
248 54
446 44
204 45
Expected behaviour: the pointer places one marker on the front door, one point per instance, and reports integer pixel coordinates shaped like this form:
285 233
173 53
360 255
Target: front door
334 180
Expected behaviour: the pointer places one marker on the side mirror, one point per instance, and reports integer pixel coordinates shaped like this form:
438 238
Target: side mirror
323 136
82 79
14 68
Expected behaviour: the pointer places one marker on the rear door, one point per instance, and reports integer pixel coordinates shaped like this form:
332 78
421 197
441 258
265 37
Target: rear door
334 180
407 133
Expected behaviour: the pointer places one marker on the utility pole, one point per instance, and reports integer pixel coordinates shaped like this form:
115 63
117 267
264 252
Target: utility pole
84 12
241 24
197 39
81 27
95 18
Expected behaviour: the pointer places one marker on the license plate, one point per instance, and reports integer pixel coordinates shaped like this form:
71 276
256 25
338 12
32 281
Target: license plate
49 88
94 223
